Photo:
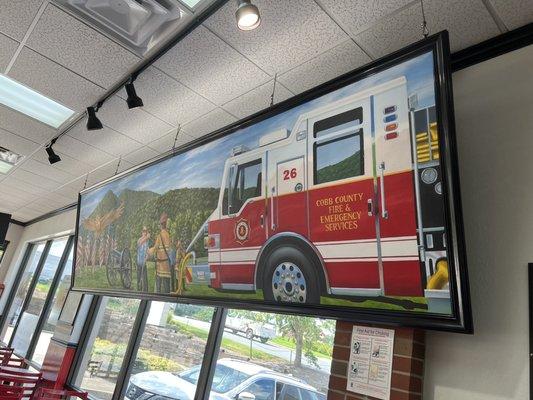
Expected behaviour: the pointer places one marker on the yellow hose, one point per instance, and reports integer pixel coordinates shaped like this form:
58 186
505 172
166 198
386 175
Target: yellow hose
440 278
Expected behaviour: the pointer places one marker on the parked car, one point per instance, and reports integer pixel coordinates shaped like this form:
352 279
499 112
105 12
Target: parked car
233 379
252 329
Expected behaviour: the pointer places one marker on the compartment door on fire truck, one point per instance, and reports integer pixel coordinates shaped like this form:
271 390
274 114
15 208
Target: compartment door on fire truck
396 192
342 198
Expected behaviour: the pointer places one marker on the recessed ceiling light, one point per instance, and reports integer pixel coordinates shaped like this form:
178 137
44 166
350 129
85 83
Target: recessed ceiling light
8 159
27 101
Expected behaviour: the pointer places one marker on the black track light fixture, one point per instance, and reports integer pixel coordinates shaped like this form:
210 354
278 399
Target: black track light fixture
52 156
247 15
93 123
133 100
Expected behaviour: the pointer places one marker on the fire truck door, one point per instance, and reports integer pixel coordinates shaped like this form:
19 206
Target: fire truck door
396 194
288 204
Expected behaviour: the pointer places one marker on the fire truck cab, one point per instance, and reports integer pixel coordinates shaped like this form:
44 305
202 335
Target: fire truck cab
329 207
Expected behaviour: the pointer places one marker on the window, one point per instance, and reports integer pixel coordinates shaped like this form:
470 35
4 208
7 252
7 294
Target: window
36 301
52 315
3 248
170 353
244 182
339 158
106 346
339 122
262 389
271 355
35 253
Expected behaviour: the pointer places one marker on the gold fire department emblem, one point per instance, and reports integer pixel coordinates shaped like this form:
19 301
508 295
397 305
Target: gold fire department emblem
242 231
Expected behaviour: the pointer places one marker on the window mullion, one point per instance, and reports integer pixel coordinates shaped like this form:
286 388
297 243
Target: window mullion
203 387
131 349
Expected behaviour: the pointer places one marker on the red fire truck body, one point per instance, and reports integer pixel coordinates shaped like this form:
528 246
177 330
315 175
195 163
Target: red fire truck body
329 208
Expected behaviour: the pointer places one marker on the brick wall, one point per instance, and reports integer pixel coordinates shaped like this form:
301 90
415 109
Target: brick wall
407 364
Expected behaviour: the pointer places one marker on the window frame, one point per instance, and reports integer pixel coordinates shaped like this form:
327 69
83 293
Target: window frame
232 185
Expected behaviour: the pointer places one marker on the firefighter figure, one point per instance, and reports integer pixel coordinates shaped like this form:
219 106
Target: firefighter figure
142 254
179 268
161 251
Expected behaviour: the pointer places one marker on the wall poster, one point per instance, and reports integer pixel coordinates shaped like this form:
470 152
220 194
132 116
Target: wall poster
342 201
370 365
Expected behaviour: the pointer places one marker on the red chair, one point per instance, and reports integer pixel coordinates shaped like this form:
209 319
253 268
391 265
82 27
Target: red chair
9 370
11 392
6 354
27 383
55 394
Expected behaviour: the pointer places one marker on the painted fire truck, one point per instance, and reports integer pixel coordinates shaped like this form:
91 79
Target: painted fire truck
344 204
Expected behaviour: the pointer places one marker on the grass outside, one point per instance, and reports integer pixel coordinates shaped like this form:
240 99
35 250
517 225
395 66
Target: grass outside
289 343
228 344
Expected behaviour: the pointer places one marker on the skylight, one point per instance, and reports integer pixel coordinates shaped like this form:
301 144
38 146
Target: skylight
27 101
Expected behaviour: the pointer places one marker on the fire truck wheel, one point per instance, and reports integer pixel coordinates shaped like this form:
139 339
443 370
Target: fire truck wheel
290 277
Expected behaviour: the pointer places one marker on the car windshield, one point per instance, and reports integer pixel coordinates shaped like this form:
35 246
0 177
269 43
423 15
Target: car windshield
224 380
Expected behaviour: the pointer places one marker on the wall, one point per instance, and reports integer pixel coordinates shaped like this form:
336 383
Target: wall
494 119
14 232
59 225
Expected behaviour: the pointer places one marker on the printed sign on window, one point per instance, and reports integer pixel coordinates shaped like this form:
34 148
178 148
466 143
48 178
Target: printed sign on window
370 367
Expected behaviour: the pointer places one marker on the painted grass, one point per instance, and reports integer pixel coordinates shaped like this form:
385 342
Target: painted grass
97 279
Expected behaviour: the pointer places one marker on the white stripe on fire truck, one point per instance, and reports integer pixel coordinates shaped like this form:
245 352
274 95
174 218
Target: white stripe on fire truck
369 259
399 248
386 239
234 256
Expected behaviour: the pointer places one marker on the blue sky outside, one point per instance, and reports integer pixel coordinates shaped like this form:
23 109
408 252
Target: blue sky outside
203 166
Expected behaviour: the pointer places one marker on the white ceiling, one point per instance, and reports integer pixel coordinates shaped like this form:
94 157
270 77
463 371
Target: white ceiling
213 77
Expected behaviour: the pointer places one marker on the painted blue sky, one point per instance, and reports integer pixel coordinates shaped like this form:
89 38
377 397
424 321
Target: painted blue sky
203 166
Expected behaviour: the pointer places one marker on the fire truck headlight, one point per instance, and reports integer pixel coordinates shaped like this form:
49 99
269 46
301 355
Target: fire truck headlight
429 175
438 188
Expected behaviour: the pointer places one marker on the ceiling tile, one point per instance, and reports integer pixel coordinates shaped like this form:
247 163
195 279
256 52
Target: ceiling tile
72 189
7 50
165 144
46 171
106 139
514 13
79 150
78 47
257 99
9 205
393 33
24 215
468 22
331 64
357 16
291 32
67 163
54 81
208 123
24 126
211 67
16 143
168 99
35 180
135 123
21 187
14 195
107 171
16 16
141 155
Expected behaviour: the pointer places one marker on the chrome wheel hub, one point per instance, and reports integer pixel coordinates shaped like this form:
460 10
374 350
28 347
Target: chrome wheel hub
288 283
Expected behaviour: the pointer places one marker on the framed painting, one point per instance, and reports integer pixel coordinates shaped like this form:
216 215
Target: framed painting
342 201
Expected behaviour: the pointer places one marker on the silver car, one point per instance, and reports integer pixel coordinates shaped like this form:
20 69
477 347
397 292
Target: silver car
233 379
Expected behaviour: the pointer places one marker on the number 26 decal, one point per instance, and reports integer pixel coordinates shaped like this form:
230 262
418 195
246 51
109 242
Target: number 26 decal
289 174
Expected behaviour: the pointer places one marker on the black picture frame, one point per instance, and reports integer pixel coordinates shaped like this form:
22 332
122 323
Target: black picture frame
460 319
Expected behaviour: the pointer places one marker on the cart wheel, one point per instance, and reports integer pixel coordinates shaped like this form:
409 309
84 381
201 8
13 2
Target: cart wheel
264 339
125 268
111 271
